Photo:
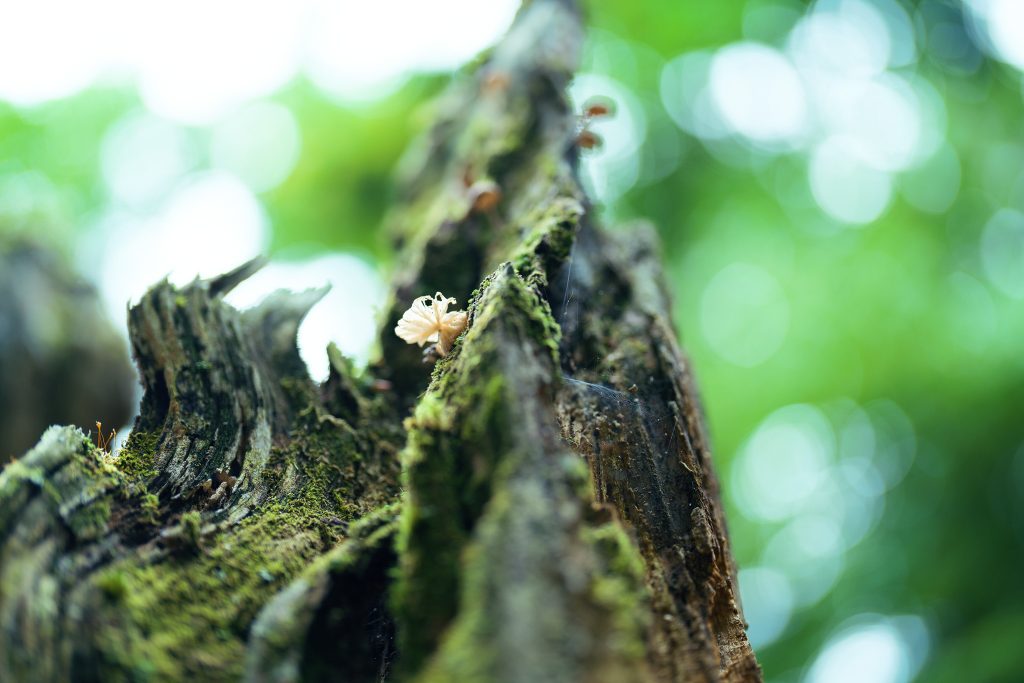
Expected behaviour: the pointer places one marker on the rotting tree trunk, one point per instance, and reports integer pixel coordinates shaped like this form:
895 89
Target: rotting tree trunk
547 513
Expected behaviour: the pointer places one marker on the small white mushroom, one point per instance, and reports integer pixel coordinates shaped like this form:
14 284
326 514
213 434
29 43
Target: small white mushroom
429 321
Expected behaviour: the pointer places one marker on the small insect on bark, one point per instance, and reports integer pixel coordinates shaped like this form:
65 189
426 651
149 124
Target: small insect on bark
428 320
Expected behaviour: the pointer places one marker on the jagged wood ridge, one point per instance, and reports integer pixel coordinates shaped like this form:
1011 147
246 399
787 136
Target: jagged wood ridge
260 527
153 564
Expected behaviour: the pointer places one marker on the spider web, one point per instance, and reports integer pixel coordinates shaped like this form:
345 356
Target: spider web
621 413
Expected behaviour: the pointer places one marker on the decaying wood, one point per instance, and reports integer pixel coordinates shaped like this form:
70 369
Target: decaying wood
548 512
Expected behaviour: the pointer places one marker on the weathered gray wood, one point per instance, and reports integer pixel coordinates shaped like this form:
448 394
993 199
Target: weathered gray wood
548 512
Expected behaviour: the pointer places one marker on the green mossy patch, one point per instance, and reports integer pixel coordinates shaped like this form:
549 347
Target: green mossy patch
182 606
458 438
620 587
461 463
90 521
149 505
137 456
188 616
549 242
515 573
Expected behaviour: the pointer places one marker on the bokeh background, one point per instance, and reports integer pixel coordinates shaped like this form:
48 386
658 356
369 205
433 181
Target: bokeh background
840 190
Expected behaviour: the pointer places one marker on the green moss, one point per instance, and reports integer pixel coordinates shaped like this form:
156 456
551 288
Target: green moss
191 527
113 586
550 240
137 456
458 438
330 456
188 613
90 521
619 587
353 570
467 654
462 465
606 600
189 616
431 537
13 479
149 504
79 483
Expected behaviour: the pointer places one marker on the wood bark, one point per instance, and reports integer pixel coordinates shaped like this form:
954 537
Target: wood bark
547 512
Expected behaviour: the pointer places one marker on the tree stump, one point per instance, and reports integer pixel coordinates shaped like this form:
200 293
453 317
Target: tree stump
548 512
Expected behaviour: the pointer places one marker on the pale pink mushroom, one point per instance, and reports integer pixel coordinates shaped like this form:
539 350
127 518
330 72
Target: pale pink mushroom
428 321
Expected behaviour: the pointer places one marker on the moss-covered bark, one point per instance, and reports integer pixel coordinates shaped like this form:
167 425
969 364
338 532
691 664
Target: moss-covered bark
547 512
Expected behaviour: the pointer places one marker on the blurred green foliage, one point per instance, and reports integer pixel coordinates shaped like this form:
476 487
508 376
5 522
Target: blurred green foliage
900 310
339 191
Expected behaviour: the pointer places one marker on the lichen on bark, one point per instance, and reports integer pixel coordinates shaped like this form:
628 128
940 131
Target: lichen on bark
547 510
